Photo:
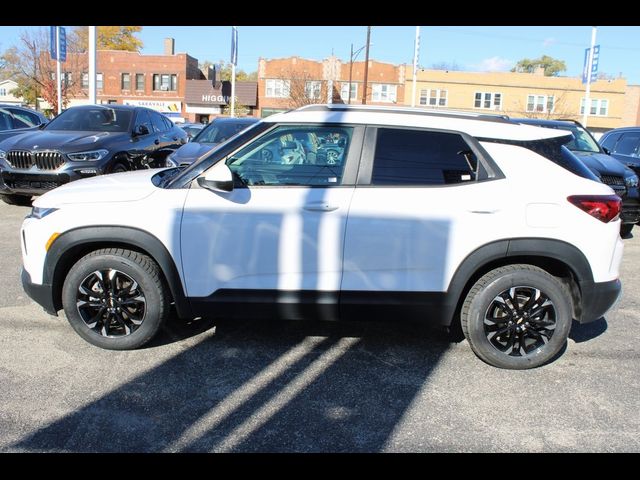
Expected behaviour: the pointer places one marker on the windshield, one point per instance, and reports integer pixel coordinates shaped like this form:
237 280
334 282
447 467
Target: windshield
218 132
97 119
582 141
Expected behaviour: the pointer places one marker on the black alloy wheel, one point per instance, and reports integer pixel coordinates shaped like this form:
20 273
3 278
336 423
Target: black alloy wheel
520 320
111 303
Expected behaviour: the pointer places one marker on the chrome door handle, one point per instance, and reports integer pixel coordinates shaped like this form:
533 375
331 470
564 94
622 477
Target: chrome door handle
485 210
320 207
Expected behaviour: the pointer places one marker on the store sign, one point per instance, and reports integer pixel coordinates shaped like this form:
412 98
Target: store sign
159 105
207 98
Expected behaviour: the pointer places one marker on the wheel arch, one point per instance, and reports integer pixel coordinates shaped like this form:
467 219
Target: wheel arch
72 245
558 258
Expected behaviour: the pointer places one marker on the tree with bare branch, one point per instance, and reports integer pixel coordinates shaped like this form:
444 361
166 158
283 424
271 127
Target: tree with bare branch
31 67
303 88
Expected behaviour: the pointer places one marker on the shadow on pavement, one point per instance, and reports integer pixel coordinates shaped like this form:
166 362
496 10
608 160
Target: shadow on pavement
277 386
584 332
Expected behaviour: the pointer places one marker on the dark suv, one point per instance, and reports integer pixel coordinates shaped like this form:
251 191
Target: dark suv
83 142
621 179
623 144
15 120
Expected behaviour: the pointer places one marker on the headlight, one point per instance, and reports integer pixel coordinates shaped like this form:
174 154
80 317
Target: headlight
40 212
91 156
631 181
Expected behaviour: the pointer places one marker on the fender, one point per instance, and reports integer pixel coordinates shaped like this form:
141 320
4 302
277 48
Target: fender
557 250
78 240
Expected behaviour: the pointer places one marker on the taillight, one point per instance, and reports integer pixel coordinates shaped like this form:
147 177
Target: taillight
603 207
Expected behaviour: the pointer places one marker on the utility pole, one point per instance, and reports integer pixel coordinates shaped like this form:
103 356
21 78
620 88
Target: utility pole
416 50
92 65
350 74
366 67
587 101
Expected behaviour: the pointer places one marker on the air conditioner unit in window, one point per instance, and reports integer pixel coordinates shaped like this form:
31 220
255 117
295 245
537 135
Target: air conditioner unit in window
164 87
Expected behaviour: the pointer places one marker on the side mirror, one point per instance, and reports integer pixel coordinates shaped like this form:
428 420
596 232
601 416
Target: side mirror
606 150
218 178
42 125
141 130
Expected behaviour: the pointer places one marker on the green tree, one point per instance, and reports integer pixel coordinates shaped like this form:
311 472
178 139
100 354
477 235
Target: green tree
225 72
109 38
552 66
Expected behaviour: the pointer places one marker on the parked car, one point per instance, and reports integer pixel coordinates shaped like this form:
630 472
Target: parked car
435 217
621 179
192 129
15 120
624 145
218 131
82 142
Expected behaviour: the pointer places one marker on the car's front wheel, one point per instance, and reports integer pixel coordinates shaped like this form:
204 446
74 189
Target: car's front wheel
115 298
517 317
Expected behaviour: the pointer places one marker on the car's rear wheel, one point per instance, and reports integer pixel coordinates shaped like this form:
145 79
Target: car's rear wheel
15 199
115 299
517 317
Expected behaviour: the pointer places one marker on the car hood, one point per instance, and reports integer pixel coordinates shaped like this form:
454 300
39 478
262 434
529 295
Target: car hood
190 152
18 131
115 187
603 164
66 141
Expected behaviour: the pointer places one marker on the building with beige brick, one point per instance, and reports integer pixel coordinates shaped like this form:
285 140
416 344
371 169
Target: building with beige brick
612 103
285 83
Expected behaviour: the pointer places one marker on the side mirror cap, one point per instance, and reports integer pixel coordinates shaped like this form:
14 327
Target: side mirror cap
606 150
218 178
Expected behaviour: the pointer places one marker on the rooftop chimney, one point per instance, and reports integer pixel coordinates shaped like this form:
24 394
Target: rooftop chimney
169 46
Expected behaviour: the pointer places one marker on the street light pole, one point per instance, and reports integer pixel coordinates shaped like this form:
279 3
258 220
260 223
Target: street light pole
350 74
366 67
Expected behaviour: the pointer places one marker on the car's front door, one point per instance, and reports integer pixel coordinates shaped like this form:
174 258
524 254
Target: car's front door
277 239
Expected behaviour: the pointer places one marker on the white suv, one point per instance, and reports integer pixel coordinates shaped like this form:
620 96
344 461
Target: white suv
336 212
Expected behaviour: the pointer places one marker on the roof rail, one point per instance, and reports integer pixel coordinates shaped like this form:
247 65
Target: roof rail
338 107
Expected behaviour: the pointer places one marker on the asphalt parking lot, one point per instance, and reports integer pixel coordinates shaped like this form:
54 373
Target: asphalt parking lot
247 386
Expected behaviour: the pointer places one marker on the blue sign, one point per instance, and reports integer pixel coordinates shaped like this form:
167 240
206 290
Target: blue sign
52 43
586 77
63 44
234 45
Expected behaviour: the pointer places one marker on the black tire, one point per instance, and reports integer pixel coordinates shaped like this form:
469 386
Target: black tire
15 199
120 166
93 319
625 229
526 336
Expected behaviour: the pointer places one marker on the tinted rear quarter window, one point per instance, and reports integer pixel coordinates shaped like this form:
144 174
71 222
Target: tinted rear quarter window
610 141
416 157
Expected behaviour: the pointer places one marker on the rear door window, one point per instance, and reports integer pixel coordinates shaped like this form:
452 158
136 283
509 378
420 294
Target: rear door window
418 157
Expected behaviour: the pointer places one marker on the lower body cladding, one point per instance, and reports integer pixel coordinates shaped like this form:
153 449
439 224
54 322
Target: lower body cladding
431 307
630 212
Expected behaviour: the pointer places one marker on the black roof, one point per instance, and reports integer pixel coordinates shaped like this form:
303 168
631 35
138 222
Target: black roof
112 106
235 120
623 129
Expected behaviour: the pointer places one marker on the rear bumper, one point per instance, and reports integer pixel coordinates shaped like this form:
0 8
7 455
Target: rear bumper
598 298
41 294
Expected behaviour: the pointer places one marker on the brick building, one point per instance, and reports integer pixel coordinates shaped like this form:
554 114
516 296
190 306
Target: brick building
612 103
285 83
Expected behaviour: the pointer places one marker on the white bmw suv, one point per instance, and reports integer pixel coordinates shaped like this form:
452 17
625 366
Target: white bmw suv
336 213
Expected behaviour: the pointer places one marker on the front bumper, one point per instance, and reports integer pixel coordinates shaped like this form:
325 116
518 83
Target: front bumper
598 298
41 294
37 183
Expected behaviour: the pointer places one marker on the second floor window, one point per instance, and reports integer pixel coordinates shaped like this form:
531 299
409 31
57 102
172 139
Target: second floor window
139 81
492 101
433 97
383 93
312 89
85 80
165 81
275 88
99 84
126 81
344 91
540 103
598 107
